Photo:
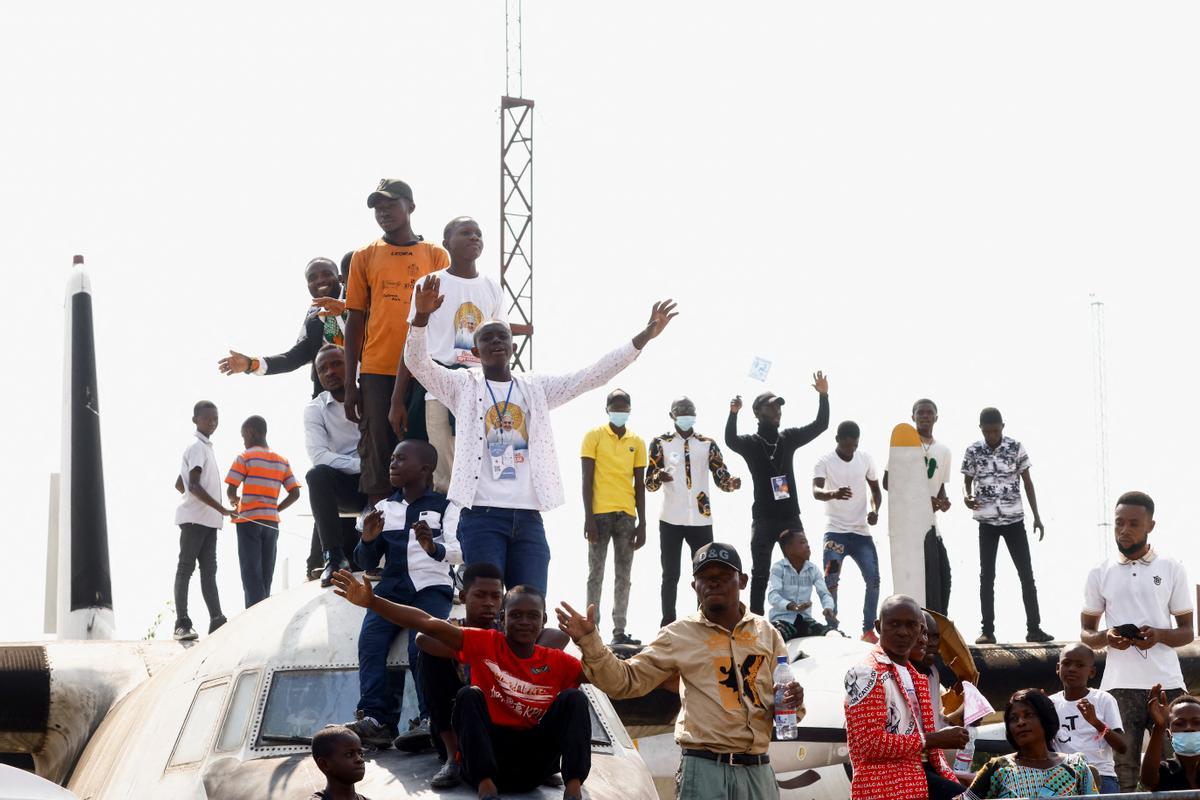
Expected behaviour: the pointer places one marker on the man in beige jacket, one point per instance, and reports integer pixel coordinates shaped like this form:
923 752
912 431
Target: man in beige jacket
725 657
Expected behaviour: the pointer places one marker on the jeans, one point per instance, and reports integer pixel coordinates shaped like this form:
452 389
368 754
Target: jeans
1109 785
1014 537
617 527
512 539
197 543
331 492
764 533
860 548
378 698
519 759
937 573
671 538
1136 722
256 554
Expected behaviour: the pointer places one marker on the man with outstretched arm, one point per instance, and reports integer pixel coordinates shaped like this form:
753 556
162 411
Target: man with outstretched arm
505 465
523 718
725 657
768 453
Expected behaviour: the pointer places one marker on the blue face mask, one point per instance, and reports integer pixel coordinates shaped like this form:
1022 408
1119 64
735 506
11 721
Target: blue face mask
1186 744
685 423
618 418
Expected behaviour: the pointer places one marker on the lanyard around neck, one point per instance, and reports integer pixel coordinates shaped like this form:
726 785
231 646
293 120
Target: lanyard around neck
496 403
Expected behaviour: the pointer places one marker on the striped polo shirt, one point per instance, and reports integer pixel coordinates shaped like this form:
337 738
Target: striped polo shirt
262 472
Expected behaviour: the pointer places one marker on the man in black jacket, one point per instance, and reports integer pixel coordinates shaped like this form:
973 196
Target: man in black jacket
768 453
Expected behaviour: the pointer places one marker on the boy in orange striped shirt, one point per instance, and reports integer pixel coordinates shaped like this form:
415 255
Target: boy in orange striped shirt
260 472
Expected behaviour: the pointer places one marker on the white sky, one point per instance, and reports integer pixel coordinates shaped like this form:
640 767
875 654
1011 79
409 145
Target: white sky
916 198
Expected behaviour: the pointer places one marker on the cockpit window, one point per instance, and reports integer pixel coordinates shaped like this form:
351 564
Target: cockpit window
233 730
302 701
198 728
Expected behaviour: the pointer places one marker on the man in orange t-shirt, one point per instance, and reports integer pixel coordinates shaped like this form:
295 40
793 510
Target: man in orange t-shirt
382 277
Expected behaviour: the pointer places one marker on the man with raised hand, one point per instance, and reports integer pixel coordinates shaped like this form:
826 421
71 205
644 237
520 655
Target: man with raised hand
725 656
768 453
505 464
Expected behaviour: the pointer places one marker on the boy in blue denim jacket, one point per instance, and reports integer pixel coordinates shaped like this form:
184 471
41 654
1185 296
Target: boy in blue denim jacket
411 528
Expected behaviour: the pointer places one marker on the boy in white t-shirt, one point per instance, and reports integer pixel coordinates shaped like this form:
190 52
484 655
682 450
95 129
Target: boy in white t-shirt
470 300
841 479
1090 722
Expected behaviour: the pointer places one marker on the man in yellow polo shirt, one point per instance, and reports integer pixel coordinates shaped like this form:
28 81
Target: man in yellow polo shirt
614 505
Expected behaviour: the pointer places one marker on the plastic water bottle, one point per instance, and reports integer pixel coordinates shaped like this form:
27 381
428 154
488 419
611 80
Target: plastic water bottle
785 715
962 761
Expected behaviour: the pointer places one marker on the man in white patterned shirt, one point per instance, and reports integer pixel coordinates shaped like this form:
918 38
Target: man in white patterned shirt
680 463
503 483
993 470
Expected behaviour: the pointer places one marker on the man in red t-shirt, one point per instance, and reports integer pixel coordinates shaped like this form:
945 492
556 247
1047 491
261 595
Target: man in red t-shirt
523 718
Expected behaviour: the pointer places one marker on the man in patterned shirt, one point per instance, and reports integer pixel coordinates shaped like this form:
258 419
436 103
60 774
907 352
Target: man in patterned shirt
680 463
993 470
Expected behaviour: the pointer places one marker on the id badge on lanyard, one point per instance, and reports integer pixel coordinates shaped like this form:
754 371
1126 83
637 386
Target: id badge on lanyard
780 488
504 462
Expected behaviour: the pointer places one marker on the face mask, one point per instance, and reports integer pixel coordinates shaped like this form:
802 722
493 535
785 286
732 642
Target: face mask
618 418
1186 744
685 423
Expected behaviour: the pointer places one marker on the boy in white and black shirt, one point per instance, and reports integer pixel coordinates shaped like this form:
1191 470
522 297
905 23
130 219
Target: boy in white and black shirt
1090 722
993 470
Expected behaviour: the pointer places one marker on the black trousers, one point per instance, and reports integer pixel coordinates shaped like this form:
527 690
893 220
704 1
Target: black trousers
671 538
937 573
764 533
1015 538
941 788
331 492
519 759
440 684
197 544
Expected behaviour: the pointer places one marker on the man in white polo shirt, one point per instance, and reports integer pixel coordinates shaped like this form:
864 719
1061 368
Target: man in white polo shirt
1147 606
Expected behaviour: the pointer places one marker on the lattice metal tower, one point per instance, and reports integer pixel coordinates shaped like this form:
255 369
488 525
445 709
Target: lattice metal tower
516 192
1100 397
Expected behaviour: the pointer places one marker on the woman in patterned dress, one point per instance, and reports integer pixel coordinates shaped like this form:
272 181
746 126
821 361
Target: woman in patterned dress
1035 770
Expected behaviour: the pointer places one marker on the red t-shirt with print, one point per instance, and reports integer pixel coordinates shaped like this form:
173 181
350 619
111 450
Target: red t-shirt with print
518 690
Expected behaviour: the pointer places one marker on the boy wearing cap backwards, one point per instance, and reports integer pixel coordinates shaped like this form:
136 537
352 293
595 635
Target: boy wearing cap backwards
725 657
768 453
993 470
382 277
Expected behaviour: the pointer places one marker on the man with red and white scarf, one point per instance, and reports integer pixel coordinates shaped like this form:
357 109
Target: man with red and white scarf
894 749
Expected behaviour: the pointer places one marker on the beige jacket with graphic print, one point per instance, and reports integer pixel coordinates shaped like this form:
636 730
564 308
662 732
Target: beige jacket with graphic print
726 690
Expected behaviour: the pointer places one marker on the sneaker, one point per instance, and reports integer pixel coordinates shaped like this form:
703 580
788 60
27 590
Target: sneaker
1038 636
986 638
416 739
623 639
371 731
869 637
374 575
314 573
215 623
186 633
449 776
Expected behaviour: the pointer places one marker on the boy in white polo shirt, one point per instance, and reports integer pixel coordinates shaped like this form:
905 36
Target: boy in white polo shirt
842 479
1140 593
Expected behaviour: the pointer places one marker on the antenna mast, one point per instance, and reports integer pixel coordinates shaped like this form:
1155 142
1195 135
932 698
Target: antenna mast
1100 397
516 191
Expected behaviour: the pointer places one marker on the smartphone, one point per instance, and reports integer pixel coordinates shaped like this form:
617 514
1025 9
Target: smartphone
431 518
1129 631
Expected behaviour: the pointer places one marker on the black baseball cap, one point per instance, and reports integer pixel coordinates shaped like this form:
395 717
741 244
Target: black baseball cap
392 188
766 398
718 553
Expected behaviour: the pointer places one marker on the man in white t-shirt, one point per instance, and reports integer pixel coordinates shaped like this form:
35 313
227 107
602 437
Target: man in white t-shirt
842 479
506 469
470 300
1089 720
1146 601
937 465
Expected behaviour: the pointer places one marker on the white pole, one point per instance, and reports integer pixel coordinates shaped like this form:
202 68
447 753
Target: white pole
1100 398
